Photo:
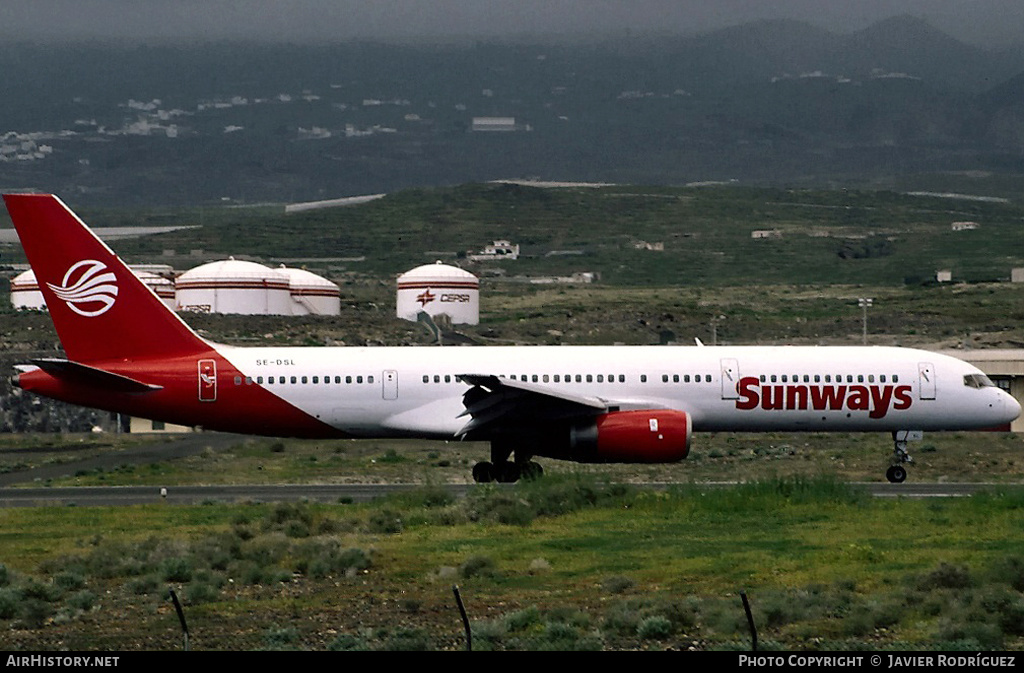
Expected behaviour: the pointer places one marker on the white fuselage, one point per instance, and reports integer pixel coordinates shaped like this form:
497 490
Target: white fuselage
416 391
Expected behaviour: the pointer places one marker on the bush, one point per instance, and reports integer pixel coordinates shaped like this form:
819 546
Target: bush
201 592
655 628
1009 570
384 521
9 600
477 566
946 576
176 569
69 581
83 600
277 638
617 584
522 619
34 612
408 640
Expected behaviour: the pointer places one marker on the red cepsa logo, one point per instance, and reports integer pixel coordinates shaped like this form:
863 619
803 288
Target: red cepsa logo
875 399
425 298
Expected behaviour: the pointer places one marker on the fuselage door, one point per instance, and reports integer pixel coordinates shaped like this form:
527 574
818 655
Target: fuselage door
389 380
207 380
730 378
926 379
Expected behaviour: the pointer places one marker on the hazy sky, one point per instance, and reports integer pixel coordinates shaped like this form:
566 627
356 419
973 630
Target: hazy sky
996 22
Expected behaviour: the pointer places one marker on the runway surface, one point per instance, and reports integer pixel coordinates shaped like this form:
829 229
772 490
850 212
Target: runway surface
185 445
96 496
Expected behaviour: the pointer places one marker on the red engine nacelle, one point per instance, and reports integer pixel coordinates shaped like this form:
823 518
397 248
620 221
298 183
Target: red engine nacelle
645 436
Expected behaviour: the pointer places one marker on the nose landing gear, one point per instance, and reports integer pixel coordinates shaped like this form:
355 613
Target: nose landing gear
897 474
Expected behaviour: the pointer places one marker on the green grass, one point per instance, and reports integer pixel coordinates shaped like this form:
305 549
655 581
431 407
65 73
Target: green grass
584 565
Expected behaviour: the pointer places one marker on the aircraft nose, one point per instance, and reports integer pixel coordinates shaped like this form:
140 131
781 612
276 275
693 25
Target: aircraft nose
1012 406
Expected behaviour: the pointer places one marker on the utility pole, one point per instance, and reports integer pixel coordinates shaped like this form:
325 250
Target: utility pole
865 303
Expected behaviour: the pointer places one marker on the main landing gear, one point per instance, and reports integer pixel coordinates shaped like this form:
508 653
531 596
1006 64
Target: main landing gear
897 474
499 468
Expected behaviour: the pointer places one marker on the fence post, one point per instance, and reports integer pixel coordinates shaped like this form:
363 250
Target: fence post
465 618
181 617
750 621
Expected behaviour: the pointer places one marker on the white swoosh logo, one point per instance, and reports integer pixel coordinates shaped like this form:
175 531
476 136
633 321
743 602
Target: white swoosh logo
92 287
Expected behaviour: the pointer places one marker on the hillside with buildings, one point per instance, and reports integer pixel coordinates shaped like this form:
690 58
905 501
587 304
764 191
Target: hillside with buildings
770 102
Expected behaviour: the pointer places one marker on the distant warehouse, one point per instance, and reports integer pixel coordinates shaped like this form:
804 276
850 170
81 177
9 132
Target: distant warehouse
497 124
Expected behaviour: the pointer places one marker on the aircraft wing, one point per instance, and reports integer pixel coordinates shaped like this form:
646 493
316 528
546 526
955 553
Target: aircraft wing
493 402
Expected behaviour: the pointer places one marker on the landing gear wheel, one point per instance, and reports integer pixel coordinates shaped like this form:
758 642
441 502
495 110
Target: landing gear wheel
507 472
483 472
896 474
531 470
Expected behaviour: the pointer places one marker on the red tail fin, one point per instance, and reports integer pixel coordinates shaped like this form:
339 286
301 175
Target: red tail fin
101 310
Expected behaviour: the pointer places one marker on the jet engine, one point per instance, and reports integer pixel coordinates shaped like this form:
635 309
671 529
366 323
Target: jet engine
643 436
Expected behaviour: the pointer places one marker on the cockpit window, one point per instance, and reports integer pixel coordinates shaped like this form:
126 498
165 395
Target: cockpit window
978 381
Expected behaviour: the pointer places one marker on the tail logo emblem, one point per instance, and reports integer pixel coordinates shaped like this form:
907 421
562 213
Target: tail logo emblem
89 293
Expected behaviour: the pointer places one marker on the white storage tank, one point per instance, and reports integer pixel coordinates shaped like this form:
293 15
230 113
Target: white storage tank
25 294
161 287
234 286
439 289
311 294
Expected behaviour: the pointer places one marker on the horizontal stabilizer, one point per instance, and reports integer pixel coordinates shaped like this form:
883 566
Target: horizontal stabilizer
79 373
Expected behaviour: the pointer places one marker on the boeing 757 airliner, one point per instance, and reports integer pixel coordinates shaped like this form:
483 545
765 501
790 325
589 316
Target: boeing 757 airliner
126 352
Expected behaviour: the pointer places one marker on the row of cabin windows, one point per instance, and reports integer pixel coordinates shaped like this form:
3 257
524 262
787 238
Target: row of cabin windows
579 378
685 378
297 380
828 378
